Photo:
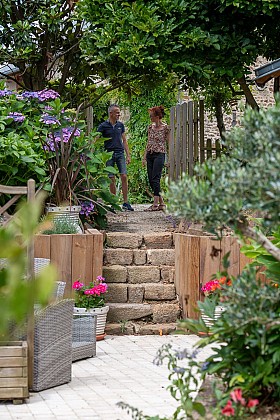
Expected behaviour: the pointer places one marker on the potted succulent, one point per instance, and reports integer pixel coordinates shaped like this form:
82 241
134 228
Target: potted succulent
91 299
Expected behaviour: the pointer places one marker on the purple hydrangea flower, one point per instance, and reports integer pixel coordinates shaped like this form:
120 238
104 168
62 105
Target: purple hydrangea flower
49 119
16 116
46 94
27 95
5 92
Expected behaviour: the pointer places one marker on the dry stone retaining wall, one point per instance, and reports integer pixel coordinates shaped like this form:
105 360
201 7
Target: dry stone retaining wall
139 269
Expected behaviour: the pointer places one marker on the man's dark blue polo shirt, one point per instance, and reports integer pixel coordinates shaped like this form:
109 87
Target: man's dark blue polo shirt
114 134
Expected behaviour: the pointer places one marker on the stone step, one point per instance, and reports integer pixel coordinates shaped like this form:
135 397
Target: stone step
139 269
136 240
154 312
122 256
139 274
139 293
138 327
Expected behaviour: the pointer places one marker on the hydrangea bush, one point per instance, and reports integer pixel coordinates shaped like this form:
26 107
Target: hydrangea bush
41 138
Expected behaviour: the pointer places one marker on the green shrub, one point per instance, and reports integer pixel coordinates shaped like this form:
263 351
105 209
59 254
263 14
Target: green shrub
246 354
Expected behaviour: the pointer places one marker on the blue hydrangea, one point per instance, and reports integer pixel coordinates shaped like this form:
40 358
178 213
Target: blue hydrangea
16 116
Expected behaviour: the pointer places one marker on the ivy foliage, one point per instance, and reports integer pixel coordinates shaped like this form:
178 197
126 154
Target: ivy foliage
137 125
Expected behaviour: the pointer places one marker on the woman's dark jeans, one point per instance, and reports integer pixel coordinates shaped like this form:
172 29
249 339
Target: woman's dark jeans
155 163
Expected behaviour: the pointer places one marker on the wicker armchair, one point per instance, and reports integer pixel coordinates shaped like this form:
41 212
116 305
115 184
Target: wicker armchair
40 263
84 336
53 345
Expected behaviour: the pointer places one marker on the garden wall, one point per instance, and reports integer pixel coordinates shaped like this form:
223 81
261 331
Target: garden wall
197 258
78 256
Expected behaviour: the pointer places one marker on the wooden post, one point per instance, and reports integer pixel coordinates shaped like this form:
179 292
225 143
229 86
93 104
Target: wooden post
171 154
197 259
30 277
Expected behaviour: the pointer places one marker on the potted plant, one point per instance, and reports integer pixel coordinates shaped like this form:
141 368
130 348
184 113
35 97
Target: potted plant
91 298
40 132
212 308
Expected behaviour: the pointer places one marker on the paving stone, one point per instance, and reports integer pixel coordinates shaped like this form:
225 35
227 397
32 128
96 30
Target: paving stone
119 328
123 240
139 256
166 312
128 311
159 292
115 273
157 329
117 293
143 274
118 256
167 274
161 256
158 240
135 293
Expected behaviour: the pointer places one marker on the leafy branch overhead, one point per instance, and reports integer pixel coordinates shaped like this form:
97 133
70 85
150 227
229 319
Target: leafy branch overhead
244 180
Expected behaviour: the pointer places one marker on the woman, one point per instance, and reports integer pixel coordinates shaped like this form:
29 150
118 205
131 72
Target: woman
154 156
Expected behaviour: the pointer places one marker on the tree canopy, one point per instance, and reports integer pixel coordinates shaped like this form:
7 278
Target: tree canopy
202 42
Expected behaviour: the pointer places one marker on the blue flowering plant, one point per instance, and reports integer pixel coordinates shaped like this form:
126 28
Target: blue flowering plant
41 138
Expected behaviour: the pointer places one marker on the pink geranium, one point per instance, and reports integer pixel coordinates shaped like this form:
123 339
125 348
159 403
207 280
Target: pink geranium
214 287
228 410
252 403
236 396
91 296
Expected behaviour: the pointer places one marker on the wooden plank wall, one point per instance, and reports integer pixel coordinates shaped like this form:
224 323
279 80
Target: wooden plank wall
197 258
75 256
187 141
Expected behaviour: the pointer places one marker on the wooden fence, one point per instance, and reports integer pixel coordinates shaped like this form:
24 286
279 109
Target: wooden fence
77 257
187 139
197 259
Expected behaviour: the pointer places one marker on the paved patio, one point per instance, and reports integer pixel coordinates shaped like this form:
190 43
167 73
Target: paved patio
123 370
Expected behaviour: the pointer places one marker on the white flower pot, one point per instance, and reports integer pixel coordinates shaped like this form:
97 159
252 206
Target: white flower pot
209 322
101 317
71 213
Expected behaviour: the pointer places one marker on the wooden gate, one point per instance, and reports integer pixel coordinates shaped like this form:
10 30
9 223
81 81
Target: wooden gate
187 140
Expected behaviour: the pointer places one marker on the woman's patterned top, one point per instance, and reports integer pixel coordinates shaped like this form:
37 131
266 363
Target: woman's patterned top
157 139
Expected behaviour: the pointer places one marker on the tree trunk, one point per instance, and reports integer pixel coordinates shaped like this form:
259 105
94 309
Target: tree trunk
219 115
248 94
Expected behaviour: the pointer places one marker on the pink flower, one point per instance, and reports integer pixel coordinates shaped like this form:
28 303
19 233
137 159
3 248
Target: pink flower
77 285
228 410
236 396
87 292
252 403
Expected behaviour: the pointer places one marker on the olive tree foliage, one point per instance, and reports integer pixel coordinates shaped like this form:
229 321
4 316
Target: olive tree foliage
208 44
245 179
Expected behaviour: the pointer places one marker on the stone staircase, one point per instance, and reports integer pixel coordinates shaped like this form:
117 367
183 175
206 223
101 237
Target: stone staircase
139 270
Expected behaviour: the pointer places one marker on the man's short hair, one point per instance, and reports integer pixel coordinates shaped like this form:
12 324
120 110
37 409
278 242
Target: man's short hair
112 106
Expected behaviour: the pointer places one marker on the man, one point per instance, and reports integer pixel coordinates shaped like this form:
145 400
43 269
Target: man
113 130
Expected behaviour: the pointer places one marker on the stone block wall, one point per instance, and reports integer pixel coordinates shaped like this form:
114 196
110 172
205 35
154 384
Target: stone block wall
139 270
